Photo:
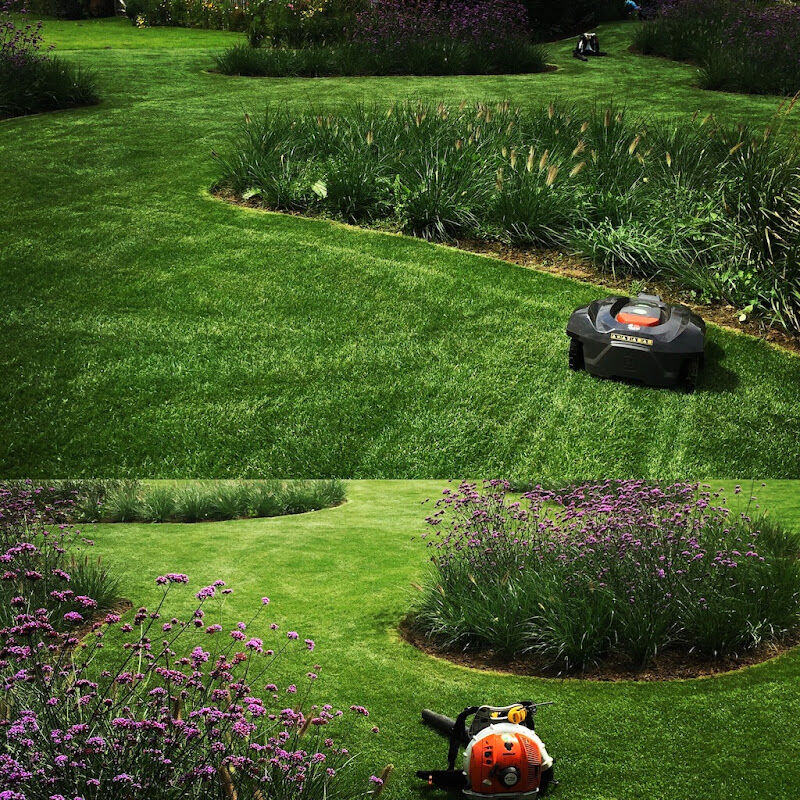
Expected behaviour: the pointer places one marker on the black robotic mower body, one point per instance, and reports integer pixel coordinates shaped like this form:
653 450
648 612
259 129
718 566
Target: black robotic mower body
640 339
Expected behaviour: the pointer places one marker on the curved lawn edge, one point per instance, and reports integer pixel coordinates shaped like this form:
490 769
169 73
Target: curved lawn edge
567 267
668 668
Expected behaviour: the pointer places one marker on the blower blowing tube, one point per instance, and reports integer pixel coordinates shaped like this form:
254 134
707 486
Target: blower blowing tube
438 722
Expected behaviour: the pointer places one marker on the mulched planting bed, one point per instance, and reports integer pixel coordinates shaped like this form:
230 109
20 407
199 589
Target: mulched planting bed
668 666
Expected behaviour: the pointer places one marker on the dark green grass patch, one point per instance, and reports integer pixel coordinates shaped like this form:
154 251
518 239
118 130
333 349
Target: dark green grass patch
149 329
344 578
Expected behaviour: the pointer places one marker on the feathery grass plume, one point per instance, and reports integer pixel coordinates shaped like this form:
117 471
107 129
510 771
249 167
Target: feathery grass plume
531 159
513 158
551 110
543 160
551 175
498 184
634 144
579 148
668 159
584 127
576 169
370 137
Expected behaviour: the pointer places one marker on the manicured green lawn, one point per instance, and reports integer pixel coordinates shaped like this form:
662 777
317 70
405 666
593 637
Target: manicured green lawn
343 577
152 330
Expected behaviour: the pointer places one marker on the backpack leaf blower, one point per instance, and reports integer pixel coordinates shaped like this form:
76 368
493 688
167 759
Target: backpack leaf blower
503 756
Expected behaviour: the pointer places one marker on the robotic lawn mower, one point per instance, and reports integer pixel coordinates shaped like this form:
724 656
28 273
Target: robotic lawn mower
504 758
639 339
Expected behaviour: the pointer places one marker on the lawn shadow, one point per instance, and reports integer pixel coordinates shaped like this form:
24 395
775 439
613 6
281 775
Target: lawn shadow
715 377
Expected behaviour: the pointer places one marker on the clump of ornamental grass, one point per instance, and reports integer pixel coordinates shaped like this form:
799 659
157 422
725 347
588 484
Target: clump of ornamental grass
133 501
416 58
32 81
161 713
394 37
623 570
712 208
44 558
738 46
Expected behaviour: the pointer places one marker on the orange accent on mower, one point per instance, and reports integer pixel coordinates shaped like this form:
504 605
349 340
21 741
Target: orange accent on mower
637 319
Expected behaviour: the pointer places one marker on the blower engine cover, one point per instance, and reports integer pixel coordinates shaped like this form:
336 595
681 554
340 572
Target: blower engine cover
642 339
505 760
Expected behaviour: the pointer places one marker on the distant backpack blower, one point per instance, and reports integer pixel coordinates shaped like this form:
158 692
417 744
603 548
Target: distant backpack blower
504 757
588 45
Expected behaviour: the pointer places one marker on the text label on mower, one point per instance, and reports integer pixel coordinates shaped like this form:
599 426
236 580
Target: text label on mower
623 337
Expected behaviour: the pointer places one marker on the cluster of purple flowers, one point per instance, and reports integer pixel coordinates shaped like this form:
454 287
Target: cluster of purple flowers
594 528
484 23
620 563
19 43
94 705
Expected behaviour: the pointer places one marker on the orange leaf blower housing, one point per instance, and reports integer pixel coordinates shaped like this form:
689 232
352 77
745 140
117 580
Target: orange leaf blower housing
504 760
503 756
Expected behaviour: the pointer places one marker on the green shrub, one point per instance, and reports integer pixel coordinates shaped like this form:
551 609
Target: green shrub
123 503
266 500
158 505
193 504
298 497
713 209
231 501
131 501
43 84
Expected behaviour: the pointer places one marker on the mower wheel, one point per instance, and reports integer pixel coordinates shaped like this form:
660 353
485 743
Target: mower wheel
691 373
575 355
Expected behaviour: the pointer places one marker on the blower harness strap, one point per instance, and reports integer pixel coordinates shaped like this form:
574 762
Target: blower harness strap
459 735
